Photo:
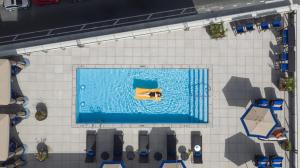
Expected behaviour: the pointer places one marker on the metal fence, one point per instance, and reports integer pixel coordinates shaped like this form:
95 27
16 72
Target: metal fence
93 26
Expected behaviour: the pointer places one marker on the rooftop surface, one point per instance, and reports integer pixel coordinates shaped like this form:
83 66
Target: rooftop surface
241 70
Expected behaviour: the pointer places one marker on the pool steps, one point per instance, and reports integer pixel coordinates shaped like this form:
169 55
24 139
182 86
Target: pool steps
198 92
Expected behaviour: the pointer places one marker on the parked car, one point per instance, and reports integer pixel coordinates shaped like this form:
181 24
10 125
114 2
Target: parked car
12 5
44 2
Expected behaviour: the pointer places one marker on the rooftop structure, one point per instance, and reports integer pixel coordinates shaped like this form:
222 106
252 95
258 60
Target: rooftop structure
251 65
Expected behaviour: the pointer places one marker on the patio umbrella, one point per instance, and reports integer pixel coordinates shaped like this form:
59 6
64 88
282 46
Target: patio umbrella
4 138
112 164
259 121
172 164
5 87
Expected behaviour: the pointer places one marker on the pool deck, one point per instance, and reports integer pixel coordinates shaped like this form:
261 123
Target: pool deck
241 67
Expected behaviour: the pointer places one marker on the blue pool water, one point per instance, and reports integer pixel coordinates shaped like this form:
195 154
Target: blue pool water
107 95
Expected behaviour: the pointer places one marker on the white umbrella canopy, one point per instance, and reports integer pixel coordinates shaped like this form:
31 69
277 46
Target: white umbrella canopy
173 164
5 85
112 164
259 121
4 136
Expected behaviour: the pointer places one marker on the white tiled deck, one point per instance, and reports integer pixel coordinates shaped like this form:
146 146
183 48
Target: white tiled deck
49 80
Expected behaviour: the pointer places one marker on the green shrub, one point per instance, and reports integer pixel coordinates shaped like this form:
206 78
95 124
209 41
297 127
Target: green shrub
286 84
216 30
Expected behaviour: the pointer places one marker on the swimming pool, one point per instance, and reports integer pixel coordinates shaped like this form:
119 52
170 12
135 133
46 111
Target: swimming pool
107 95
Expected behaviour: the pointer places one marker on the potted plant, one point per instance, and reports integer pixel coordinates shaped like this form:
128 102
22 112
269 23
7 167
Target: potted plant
42 151
286 145
216 30
41 112
286 84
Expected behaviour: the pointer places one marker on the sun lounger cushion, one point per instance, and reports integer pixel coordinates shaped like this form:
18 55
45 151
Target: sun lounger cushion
249 26
262 162
276 161
262 102
285 37
276 23
284 67
240 29
90 145
276 104
284 56
143 146
264 26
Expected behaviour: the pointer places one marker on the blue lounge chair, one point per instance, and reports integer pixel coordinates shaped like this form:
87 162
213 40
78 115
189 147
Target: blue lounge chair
15 70
196 145
15 121
276 23
284 67
249 27
144 147
284 56
262 162
14 162
264 25
276 104
24 113
17 67
285 39
16 149
118 146
261 103
171 146
90 146
239 29
276 161
17 117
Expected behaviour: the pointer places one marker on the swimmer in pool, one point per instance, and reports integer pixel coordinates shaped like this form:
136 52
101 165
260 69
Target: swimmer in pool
153 94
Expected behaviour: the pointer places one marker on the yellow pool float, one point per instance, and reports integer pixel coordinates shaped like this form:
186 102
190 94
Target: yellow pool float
143 94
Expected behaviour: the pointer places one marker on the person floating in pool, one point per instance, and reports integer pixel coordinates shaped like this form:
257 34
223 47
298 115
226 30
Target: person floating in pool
154 94
148 94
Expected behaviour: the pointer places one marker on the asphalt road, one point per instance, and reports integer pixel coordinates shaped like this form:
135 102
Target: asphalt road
67 13
221 5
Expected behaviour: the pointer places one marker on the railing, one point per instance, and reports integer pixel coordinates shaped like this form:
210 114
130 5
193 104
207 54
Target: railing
96 25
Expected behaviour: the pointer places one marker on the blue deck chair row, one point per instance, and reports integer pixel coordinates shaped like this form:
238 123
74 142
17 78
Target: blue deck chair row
284 67
262 162
243 28
274 162
284 56
276 104
266 25
285 37
282 63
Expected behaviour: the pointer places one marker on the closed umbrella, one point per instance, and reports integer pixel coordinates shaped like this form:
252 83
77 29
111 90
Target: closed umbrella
259 121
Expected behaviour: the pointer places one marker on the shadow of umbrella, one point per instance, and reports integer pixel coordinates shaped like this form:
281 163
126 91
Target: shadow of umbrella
240 149
270 149
239 91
